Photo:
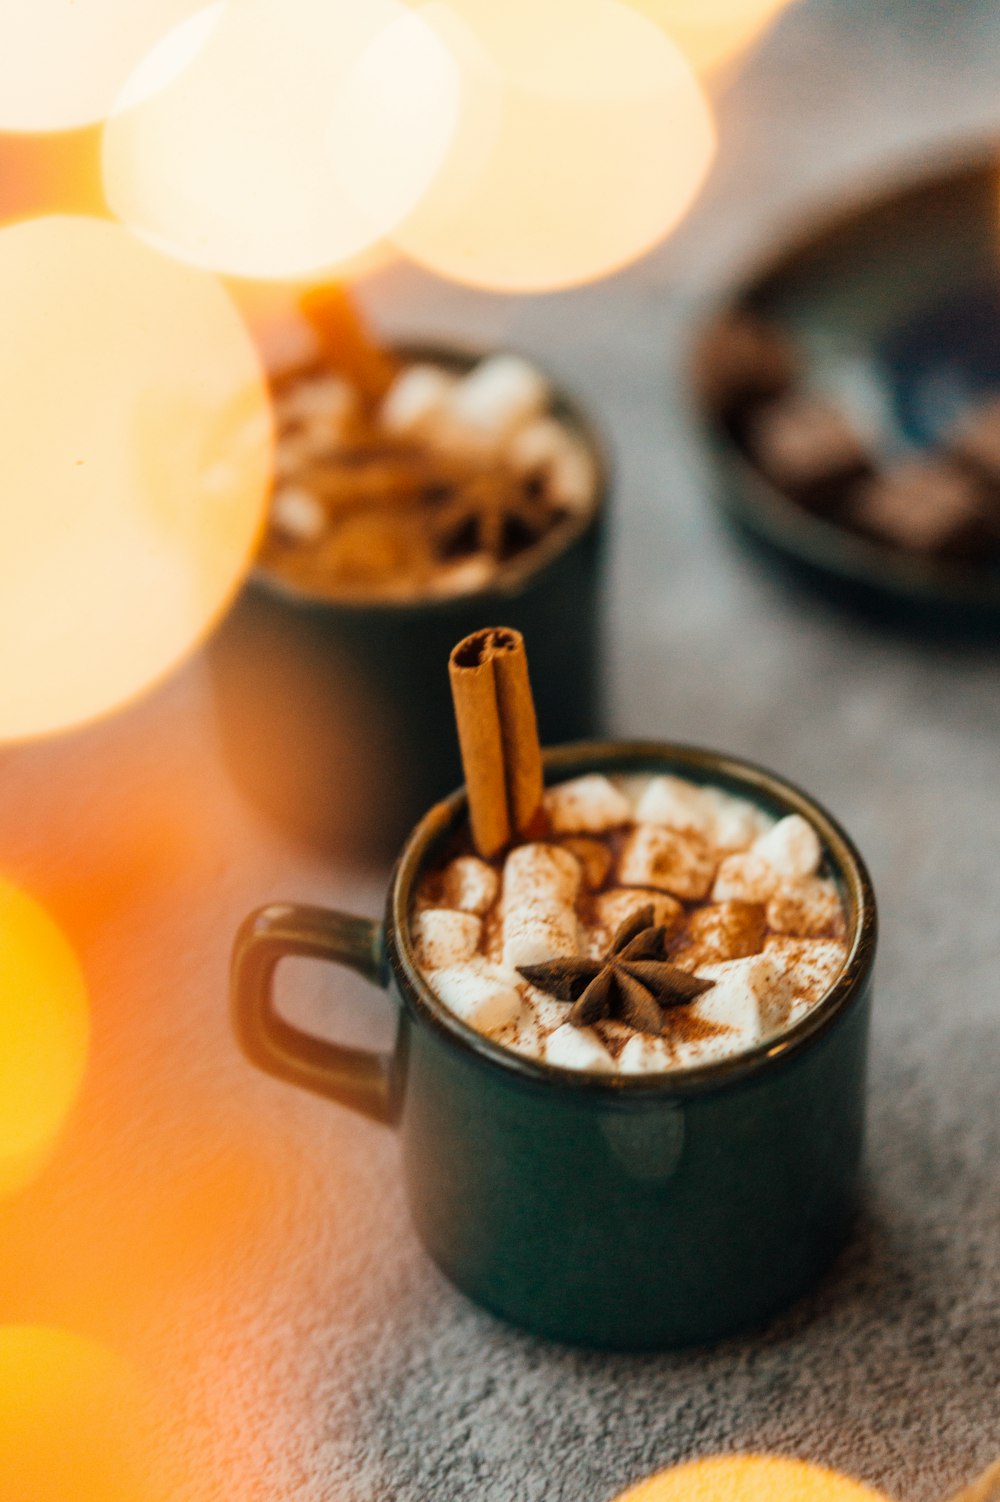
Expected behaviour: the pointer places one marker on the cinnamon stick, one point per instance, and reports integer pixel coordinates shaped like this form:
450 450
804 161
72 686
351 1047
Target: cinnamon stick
498 736
347 344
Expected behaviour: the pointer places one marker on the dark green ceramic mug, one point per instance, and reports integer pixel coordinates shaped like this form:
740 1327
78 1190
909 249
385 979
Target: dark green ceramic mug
335 715
628 1211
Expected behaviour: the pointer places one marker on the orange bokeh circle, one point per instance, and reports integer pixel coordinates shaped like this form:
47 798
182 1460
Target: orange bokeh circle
44 1033
749 1478
134 470
281 138
74 1422
583 139
711 33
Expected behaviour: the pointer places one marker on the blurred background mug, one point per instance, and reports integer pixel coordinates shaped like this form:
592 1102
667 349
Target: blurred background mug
336 716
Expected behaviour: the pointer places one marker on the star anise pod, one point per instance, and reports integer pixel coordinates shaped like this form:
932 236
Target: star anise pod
492 514
632 984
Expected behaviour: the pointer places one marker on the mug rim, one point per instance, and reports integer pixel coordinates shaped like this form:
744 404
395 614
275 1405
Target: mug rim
565 406
575 759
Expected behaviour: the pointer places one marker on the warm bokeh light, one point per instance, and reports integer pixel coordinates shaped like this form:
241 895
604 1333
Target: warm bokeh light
298 133
44 1029
583 139
72 1421
749 1478
711 33
134 469
63 62
50 174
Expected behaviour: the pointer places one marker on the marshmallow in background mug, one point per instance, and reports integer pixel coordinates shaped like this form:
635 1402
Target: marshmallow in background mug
546 446
416 399
791 848
586 805
480 993
325 404
540 886
444 937
297 513
484 407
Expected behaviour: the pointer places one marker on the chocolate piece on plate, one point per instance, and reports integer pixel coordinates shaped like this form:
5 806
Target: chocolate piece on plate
975 443
809 449
741 362
927 507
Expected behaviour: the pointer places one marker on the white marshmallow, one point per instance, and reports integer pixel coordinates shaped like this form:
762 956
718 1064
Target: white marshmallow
807 908
537 445
573 477
546 1012
586 805
540 870
416 399
719 932
297 513
466 576
292 453
572 1047
677 804
632 785
689 1053
469 884
791 848
540 886
444 937
643 1054
485 407
658 857
737 823
812 964
524 1036
539 931
325 399
547 446
752 997
745 877
611 908
483 995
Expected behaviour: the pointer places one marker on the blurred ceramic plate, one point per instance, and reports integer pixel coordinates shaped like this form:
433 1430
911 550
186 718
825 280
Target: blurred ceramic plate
894 305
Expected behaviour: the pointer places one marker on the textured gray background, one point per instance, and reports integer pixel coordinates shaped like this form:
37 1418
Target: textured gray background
251 1247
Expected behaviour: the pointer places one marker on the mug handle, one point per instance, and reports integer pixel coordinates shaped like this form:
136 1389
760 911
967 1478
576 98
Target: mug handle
353 1076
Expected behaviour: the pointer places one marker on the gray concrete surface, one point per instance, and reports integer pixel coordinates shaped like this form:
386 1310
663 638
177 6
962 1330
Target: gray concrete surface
250 1248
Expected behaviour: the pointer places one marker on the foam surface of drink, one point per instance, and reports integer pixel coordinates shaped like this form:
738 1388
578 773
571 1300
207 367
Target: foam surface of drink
740 900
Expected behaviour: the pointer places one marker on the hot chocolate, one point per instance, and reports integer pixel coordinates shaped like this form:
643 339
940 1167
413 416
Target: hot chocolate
442 485
652 924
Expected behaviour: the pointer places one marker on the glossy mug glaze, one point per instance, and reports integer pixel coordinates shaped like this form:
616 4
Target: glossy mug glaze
614 1211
